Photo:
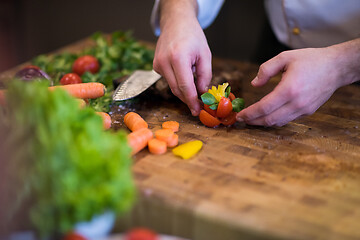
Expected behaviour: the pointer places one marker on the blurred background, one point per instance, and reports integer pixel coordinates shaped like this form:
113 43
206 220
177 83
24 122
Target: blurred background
29 28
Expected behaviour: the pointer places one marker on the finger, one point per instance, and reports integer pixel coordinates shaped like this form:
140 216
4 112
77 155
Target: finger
269 69
265 106
167 72
279 117
203 72
185 83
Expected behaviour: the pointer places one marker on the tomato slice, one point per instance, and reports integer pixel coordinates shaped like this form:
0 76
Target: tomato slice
208 120
141 234
224 108
209 110
229 119
231 97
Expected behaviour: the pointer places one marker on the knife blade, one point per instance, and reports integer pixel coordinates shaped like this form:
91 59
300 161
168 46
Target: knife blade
137 83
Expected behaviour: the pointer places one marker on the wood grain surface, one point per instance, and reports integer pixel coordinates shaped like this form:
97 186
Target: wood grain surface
300 181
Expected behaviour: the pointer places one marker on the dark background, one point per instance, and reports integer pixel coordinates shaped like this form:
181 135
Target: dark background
29 28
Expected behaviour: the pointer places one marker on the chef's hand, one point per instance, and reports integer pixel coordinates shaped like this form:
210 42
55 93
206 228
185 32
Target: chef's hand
309 78
182 51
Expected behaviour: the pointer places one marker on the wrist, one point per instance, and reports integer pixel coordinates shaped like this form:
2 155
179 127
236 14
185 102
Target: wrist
177 11
347 60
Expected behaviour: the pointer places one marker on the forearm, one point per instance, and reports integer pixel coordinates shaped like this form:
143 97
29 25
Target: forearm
172 11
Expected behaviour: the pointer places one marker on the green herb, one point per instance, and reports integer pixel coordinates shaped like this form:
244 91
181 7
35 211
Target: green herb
214 106
208 98
238 104
227 91
60 158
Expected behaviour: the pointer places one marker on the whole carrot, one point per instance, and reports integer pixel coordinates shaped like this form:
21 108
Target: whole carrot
83 90
106 119
134 121
139 139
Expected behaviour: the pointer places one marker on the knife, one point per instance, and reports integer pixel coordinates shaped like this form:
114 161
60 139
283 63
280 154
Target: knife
137 83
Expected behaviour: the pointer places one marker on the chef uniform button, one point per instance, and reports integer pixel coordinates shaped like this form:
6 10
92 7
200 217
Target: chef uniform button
296 31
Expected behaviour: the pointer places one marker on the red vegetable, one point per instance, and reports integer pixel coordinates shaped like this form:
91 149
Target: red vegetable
231 97
209 110
224 107
141 234
70 78
208 120
74 236
84 64
29 73
229 119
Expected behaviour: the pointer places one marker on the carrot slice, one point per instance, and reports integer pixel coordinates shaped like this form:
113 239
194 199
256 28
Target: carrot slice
106 119
164 134
173 125
83 90
134 121
138 140
157 146
173 141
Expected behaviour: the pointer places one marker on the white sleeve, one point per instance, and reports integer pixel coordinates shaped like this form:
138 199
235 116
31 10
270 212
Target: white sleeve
208 10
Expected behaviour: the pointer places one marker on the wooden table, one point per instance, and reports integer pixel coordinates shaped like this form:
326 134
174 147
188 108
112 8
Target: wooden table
300 181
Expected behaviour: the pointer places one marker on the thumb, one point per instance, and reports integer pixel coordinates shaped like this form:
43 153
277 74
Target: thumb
269 69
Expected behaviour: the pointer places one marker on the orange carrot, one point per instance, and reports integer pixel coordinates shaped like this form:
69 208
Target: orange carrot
83 90
157 146
173 141
134 121
106 119
164 135
139 139
173 125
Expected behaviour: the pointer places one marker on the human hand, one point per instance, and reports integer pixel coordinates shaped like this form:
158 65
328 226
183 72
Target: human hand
309 78
182 51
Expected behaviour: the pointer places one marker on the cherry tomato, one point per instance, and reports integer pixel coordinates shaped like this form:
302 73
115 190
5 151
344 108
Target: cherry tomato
209 110
141 234
231 97
74 236
84 64
229 119
208 120
70 78
224 107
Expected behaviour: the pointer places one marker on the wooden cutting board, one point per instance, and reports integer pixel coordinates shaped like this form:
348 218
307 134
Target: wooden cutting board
300 181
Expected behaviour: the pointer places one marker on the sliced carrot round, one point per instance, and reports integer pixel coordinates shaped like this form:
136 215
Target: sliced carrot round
157 146
174 141
173 125
164 134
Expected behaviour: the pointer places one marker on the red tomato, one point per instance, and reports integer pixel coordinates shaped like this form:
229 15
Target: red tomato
70 78
208 120
141 234
224 107
232 96
229 119
209 110
74 236
84 64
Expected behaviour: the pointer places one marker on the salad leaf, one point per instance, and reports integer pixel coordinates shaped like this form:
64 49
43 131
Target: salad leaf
60 159
238 104
208 98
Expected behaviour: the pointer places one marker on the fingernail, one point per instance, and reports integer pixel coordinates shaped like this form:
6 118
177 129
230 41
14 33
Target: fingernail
239 119
255 80
193 112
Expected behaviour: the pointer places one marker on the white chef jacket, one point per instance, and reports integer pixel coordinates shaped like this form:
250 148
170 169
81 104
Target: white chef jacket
296 23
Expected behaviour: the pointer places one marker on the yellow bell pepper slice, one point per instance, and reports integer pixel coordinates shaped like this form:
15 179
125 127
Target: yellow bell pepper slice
187 150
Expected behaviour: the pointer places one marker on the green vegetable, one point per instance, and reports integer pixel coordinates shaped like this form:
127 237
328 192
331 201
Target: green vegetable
208 99
214 106
227 91
119 56
60 160
238 104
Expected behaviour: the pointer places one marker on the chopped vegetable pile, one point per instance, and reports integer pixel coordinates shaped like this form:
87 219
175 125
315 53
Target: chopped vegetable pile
220 106
108 60
59 157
